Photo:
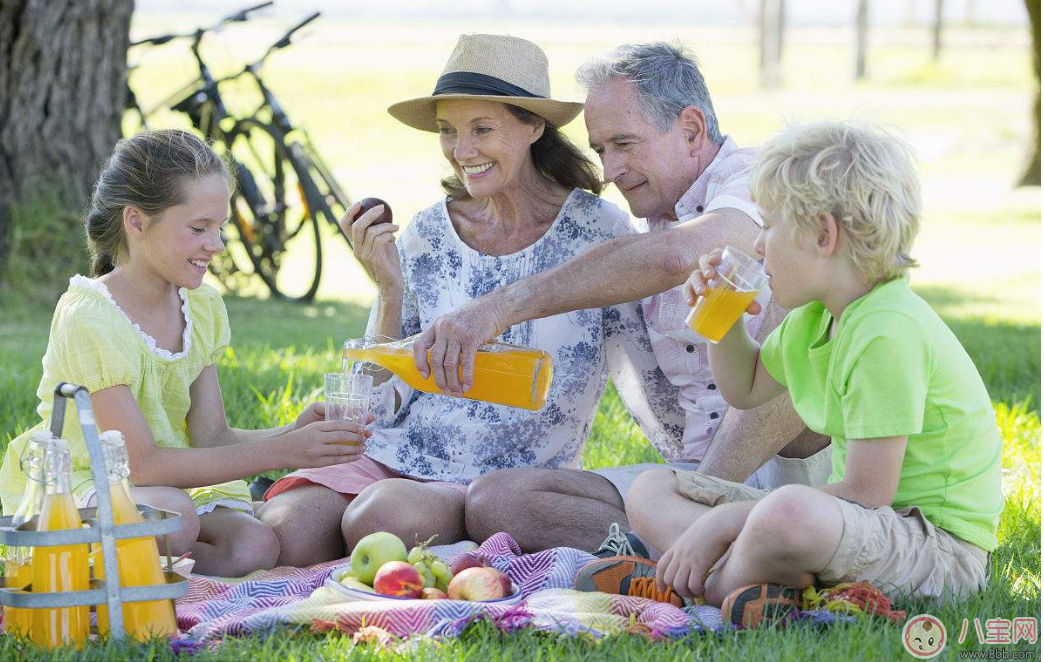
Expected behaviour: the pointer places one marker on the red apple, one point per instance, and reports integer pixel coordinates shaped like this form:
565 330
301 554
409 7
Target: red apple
432 593
367 204
477 584
398 578
467 560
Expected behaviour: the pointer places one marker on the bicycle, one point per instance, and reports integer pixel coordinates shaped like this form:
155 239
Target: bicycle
284 188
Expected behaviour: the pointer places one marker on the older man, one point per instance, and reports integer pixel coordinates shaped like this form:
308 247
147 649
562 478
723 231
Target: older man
651 121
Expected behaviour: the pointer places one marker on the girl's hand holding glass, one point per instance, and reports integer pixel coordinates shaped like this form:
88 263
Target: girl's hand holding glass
314 411
323 443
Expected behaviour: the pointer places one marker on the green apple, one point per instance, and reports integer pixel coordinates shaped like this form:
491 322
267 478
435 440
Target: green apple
373 551
352 582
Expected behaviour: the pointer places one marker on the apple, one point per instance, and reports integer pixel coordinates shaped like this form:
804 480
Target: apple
433 594
467 560
366 204
477 584
374 551
400 579
352 582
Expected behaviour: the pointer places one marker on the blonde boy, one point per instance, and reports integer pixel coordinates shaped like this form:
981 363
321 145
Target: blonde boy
914 499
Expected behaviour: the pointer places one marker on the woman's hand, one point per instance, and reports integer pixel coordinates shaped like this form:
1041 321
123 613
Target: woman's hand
374 246
700 281
322 443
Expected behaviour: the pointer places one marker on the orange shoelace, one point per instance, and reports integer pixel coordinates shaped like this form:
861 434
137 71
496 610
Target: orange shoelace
645 587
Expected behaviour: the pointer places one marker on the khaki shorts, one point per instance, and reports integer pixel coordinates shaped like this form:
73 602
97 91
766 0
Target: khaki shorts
899 551
777 472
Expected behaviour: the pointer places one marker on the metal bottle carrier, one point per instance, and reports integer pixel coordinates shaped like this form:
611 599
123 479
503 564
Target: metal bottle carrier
100 529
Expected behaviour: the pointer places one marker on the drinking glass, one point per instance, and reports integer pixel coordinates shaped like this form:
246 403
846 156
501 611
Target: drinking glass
739 281
347 396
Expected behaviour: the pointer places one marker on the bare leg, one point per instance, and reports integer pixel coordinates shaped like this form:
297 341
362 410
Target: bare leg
233 543
176 501
658 512
544 508
789 536
307 521
411 510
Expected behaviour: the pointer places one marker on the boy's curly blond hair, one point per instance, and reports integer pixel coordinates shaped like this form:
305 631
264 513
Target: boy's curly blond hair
858 172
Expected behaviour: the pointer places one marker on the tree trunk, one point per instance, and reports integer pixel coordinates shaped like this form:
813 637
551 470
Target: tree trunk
937 31
862 21
772 23
62 78
1031 177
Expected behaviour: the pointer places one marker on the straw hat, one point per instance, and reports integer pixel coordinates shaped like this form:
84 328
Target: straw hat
494 67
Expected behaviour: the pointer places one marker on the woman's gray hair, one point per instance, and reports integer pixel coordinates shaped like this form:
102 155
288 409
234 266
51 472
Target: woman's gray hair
666 78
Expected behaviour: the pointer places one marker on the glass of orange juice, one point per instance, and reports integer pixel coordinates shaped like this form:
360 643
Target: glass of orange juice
347 395
739 281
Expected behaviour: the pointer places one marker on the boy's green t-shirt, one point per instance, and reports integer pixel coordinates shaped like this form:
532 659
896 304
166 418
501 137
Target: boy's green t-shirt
894 368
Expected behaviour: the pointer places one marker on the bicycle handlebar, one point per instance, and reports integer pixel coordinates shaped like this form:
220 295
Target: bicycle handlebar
242 14
237 17
284 41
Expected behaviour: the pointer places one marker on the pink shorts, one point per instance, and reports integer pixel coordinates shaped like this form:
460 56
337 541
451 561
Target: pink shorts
349 479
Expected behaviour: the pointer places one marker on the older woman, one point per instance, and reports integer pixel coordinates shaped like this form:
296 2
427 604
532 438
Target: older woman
521 199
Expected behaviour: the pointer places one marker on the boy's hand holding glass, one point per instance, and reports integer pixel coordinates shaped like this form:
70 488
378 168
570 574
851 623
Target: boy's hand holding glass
725 285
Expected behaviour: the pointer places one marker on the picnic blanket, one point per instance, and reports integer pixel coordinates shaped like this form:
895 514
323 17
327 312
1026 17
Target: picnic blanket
263 600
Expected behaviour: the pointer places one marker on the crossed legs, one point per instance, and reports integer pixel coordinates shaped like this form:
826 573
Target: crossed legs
788 536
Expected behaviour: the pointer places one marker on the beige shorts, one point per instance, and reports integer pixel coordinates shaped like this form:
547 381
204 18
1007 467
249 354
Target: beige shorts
899 551
777 472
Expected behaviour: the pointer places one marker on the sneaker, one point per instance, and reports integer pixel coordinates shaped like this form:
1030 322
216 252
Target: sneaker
259 486
760 604
625 575
621 544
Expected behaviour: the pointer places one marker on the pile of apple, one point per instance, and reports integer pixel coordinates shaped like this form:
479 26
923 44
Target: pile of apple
381 565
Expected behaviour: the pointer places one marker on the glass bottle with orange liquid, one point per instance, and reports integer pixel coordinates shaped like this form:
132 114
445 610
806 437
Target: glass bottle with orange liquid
504 374
62 568
18 570
139 561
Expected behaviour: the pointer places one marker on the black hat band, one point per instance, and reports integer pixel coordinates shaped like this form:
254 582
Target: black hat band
467 82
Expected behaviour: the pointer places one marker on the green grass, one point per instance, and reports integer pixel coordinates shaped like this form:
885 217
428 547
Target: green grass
967 116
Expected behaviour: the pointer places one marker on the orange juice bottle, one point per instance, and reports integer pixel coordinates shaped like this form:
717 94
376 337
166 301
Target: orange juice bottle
504 374
138 557
18 570
63 568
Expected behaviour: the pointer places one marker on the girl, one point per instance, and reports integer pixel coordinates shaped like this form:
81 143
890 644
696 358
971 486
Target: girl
143 336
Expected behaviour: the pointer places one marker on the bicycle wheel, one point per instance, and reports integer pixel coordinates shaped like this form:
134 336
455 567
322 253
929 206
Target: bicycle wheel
273 214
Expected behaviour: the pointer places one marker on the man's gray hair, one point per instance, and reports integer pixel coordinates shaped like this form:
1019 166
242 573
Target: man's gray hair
666 78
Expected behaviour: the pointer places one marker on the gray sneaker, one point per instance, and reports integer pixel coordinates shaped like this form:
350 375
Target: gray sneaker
621 544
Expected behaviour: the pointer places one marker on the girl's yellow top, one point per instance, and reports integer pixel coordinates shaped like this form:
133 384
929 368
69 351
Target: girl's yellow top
94 344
